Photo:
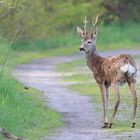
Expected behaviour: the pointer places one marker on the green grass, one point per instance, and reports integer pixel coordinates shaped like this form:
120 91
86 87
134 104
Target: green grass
23 112
78 78
68 67
89 87
110 37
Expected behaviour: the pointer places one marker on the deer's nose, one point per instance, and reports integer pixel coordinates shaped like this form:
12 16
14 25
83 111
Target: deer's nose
81 49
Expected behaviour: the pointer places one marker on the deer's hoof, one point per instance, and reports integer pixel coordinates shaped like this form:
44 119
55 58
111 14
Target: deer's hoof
133 125
105 125
110 125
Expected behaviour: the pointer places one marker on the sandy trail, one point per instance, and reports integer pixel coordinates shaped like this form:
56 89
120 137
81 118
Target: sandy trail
83 121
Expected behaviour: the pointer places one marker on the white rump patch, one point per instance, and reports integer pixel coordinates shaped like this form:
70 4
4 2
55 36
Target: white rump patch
128 68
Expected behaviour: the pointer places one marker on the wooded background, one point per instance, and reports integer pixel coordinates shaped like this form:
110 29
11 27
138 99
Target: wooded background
43 18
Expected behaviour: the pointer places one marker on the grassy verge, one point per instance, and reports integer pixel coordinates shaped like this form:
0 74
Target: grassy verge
23 112
86 85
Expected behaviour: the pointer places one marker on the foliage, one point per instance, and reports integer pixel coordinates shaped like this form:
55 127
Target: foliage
122 10
17 4
47 28
40 19
45 18
114 36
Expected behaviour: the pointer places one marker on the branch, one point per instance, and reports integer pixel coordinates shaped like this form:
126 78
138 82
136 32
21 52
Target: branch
8 135
11 11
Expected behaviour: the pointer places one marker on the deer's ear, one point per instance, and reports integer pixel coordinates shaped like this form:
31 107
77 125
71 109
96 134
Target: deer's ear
80 31
94 33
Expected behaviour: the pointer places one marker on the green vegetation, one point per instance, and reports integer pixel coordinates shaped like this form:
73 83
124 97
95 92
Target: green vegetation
86 85
111 37
66 44
114 10
16 102
117 36
41 19
23 112
46 29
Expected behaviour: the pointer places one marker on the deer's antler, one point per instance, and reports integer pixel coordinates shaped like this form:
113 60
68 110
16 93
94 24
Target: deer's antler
85 24
95 21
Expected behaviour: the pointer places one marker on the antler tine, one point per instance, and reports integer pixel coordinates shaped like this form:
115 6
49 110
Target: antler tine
95 21
85 23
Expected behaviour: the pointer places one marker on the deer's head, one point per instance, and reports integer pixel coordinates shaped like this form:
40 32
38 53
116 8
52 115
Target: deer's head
88 41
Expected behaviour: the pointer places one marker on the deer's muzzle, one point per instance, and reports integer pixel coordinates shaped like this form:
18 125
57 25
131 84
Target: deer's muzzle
81 49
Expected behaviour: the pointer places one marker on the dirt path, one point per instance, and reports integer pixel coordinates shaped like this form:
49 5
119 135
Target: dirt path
82 120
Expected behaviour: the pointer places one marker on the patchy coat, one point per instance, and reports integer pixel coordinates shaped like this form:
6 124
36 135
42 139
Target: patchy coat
116 69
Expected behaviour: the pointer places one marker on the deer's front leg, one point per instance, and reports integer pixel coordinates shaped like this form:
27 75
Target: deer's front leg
104 93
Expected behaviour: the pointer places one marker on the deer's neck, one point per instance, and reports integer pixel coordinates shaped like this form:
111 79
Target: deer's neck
91 54
94 61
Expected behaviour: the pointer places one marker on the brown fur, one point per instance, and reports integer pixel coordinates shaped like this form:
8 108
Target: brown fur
115 70
107 70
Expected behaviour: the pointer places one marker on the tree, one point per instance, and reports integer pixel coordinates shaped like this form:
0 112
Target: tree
40 19
122 10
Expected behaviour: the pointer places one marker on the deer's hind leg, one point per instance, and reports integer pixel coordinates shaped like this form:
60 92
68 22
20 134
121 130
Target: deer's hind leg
132 86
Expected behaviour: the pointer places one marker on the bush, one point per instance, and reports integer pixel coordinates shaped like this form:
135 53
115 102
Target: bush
122 10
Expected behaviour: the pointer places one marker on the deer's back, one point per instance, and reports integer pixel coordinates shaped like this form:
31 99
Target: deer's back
120 68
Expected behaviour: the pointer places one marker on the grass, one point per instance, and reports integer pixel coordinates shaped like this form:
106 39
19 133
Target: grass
68 67
110 37
88 87
23 112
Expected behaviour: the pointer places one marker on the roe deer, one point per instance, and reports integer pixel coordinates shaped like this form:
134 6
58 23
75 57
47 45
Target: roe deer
112 70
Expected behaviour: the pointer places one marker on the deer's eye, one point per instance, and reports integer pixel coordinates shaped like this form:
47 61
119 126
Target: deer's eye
89 42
